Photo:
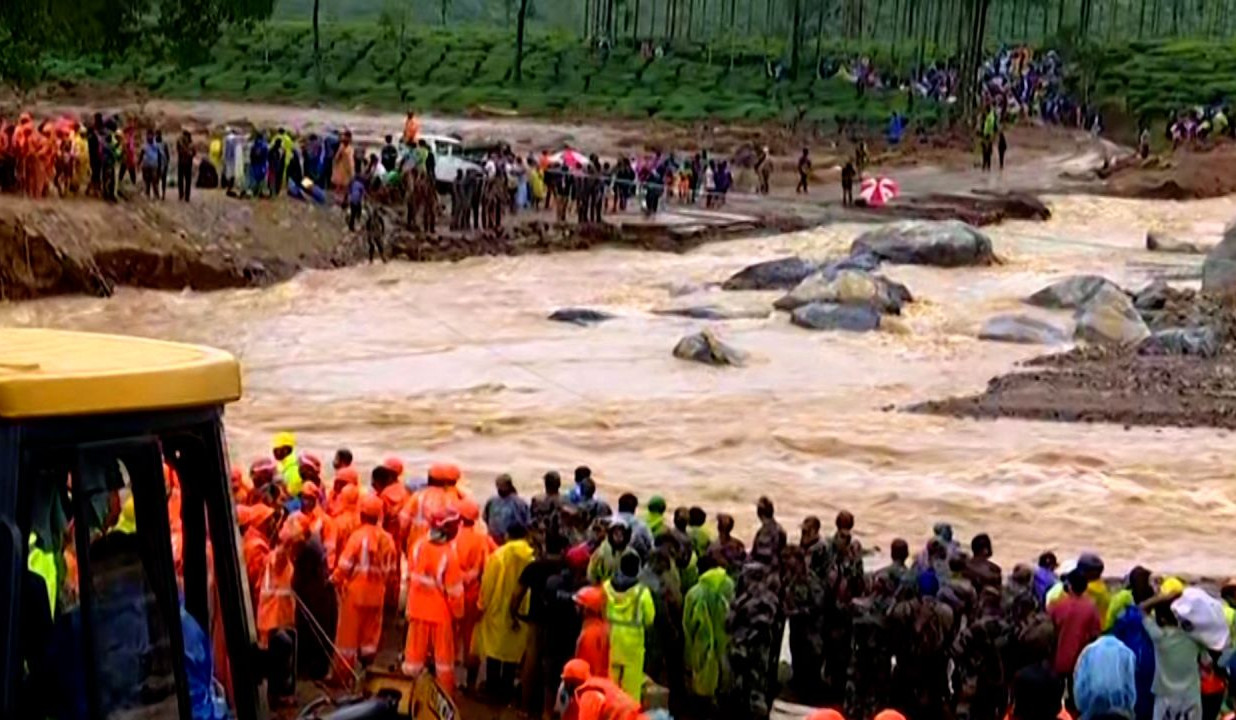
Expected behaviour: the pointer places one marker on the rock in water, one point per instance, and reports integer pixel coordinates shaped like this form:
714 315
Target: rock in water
831 316
949 243
848 287
1109 318
704 347
580 316
712 311
1198 341
1158 242
1219 269
1021 329
1152 297
781 274
1071 292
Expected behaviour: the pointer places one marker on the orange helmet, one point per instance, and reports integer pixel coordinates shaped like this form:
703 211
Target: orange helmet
468 510
347 475
591 598
889 715
577 670
371 506
444 472
826 714
349 496
393 464
443 518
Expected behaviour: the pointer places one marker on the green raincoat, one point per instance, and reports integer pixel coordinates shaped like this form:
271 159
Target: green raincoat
705 641
630 612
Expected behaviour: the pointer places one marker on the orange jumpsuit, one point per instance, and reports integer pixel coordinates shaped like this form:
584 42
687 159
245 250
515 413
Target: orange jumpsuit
255 547
366 562
276 603
601 699
593 645
435 601
472 547
422 505
393 497
323 527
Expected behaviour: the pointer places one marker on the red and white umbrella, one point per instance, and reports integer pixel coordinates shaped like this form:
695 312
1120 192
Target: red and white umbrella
877 191
571 158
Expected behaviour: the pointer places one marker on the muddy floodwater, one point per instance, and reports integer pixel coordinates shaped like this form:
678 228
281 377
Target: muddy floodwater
457 361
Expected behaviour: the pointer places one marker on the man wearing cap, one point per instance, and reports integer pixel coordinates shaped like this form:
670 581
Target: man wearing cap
283 449
366 562
592 646
594 697
435 600
344 477
257 521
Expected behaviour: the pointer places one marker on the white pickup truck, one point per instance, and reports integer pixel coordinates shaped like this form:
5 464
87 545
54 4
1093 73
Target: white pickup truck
448 159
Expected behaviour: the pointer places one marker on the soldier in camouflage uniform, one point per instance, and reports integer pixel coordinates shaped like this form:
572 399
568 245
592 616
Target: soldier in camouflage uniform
919 636
754 644
844 580
870 672
804 606
979 682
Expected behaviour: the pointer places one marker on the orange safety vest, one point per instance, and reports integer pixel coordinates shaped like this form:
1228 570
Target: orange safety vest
472 548
255 548
421 506
601 699
435 591
276 603
393 498
365 564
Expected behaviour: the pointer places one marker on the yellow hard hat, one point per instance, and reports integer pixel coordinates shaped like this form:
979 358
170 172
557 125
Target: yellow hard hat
1172 586
283 439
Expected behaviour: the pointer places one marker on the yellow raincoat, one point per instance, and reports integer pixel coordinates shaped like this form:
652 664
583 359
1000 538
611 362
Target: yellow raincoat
536 182
499 635
630 613
216 153
81 162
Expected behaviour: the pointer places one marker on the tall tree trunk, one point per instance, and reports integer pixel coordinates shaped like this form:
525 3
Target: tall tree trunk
1175 17
875 20
519 40
317 42
1059 16
819 36
796 34
750 10
635 25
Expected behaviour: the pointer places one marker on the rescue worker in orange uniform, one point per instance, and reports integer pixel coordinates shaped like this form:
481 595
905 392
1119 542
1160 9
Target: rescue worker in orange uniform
321 525
593 644
472 547
440 493
344 477
276 605
258 522
347 520
389 485
242 489
435 600
366 562
595 698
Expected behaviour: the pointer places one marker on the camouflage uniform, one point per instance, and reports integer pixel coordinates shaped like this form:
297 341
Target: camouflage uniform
871 671
844 580
978 664
804 599
754 644
919 631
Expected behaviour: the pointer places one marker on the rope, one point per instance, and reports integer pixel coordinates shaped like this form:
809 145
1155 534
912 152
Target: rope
326 639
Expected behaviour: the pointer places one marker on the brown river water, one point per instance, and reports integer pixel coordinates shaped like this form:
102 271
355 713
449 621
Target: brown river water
457 362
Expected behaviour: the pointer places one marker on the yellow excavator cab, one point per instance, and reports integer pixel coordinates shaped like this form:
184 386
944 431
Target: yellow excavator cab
47 373
122 588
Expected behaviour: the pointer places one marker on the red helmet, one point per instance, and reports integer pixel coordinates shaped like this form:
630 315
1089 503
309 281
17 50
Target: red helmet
577 670
591 598
469 510
444 472
393 464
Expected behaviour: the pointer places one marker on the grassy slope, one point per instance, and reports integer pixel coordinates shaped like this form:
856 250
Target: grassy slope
460 69
455 70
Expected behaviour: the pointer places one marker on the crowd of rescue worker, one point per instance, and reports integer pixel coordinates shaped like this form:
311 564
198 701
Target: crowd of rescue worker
564 604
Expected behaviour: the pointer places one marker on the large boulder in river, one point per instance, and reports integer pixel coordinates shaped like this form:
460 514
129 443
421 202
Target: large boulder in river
1071 292
1219 269
781 274
580 316
831 316
704 347
1022 329
848 287
1109 318
948 243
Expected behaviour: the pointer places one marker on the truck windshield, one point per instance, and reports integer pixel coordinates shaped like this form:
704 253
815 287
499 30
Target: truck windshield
105 626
